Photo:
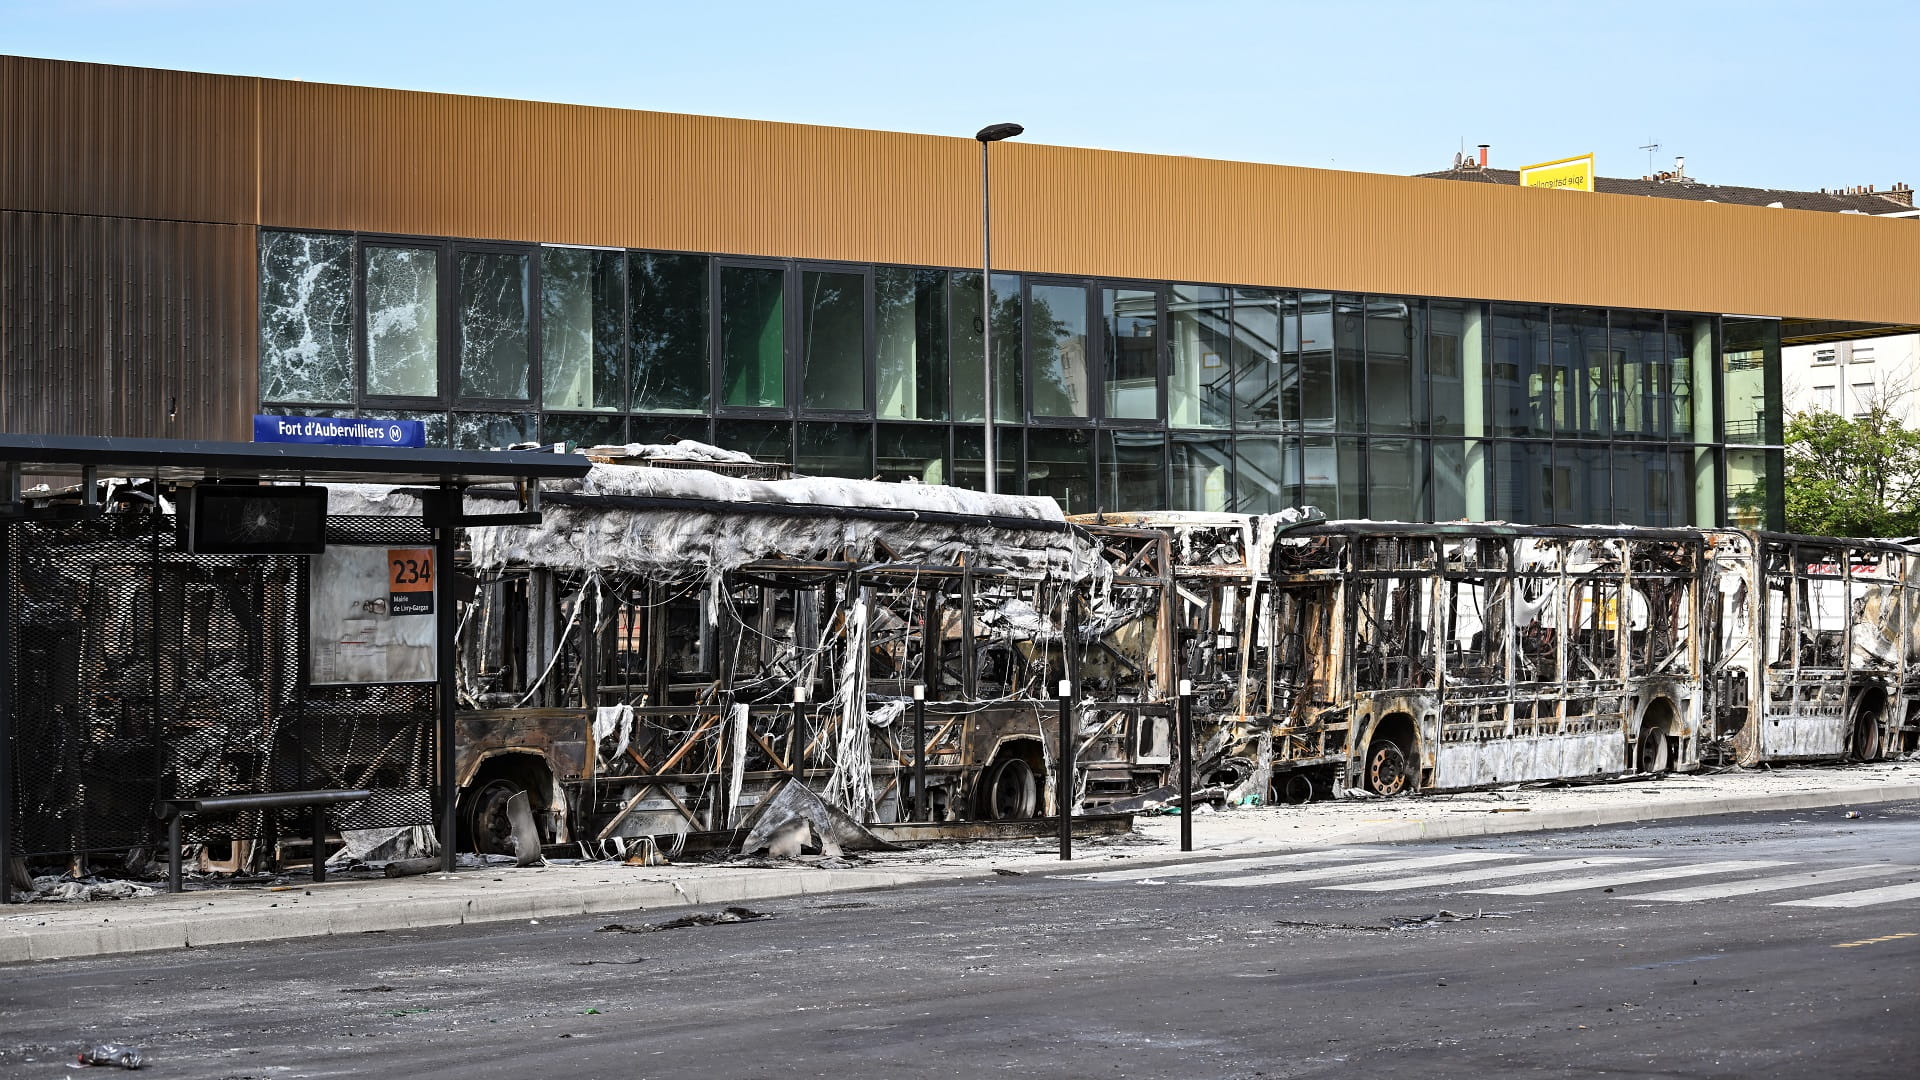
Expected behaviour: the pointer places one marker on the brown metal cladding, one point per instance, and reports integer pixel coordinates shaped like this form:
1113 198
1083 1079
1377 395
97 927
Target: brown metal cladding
135 328
126 142
340 157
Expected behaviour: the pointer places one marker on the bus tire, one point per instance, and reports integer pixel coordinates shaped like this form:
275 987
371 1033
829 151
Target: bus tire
1010 793
1651 754
1387 771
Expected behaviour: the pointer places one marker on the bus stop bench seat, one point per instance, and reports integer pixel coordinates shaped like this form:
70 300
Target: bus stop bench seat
175 809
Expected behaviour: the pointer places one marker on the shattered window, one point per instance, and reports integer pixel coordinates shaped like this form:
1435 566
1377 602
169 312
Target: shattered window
494 361
403 321
306 317
753 336
833 341
669 316
491 431
582 315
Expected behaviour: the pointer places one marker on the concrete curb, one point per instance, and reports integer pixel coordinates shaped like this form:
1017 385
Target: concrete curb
46 932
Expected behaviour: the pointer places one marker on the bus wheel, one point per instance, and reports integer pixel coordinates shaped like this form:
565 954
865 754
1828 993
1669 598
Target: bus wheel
1651 757
1295 789
1011 793
1866 735
489 832
1387 772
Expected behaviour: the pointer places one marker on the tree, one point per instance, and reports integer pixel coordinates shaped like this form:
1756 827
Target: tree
1858 477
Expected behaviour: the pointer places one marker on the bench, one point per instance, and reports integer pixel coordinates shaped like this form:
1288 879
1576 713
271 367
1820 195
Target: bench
172 810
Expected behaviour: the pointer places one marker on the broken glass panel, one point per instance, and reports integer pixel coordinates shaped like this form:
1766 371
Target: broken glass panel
669 314
490 431
403 321
583 300
493 325
306 317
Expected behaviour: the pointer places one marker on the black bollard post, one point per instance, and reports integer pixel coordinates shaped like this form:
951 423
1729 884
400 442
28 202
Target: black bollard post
922 809
1186 765
1063 771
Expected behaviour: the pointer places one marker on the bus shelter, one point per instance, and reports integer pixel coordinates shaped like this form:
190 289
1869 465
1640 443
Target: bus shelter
186 620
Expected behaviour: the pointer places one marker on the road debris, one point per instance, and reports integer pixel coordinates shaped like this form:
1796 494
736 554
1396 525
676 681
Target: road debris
1415 922
730 915
124 1055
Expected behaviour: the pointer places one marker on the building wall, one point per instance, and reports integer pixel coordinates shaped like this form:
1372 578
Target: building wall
1851 377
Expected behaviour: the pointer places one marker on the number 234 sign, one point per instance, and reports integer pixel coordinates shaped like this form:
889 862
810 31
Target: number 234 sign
409 581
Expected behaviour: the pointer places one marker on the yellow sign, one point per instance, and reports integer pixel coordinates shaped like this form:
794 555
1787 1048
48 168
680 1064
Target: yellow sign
1567 174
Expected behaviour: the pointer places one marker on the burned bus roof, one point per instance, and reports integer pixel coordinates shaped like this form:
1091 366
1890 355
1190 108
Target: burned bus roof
187 461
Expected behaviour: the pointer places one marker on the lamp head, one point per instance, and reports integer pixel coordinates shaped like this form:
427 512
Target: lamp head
996 132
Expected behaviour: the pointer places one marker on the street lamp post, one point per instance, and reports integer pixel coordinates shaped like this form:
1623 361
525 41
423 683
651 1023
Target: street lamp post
992 133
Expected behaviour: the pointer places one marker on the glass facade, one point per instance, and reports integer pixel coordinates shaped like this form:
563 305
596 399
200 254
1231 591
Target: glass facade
1109 395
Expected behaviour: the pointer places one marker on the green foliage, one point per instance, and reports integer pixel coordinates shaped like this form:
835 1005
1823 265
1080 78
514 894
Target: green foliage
1857 477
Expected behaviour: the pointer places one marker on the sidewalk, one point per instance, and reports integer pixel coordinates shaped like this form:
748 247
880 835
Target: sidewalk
50 931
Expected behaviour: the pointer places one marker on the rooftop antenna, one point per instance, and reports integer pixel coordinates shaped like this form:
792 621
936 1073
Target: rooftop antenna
1650 148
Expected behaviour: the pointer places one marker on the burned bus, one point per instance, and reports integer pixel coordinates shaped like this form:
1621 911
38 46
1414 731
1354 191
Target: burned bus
1814 650
1389 657
669 647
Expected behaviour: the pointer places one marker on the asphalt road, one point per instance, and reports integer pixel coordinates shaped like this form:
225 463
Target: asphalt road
1206 970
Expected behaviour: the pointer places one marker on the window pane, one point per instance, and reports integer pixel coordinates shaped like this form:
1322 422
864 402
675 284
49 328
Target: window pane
1264 481
1349 342
835 450
912 452
1449 481
577 430
833 341
1316 361
436 424
967 377
1748 348
1057 327
1396 480
1750 497
911 321
1132 332
1390 376
753 336
1682 347
1515 382
306 317
1060 464
1637 340
1446 363
765 440
1581 384
1331 475
667 430
583 300
1588 474
969 469
1200 388
1525 485
491 431
1259 383
1133 470
403 321
494 354
1200 473
669 345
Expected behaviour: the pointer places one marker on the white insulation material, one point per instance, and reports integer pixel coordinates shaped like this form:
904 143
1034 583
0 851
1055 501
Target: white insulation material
675 543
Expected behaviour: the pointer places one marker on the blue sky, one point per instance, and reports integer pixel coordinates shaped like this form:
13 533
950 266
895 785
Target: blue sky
1761 93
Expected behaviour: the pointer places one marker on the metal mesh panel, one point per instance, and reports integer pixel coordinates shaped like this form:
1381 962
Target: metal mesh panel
143 673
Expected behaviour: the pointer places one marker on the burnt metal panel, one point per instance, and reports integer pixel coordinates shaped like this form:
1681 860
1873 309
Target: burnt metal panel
127 327
127 142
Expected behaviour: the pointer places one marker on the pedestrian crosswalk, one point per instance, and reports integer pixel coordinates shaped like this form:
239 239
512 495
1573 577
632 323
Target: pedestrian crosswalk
1510 873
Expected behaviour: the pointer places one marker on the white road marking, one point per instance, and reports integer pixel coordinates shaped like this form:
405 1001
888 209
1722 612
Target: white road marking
1774 884
1596 881
1389 866
1864 898
1481 873
1174 870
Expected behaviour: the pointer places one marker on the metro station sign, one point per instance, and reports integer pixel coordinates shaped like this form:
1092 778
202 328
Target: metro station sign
363 432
